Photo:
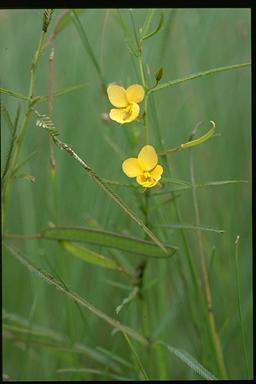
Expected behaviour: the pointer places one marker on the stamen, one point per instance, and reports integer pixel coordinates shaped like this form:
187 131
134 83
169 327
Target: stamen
128 112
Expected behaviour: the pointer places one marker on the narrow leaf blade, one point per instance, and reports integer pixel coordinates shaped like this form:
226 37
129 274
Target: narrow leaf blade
90 256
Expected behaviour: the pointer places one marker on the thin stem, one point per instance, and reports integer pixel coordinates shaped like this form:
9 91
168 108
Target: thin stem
24 125
50 108
145 118
239 306
51 144
214 333
199 74
141 68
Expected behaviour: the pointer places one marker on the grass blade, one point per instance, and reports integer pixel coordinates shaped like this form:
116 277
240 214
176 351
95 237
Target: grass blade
46 276
107 239
190 361
137 359
199 74
87 45
91 257
127 34
190 226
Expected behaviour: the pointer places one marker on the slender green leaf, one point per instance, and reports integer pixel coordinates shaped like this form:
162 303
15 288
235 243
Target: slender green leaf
159 26
46 276
14 94
190 226
190 361
199 74
107 239
90 256
62 92
210 184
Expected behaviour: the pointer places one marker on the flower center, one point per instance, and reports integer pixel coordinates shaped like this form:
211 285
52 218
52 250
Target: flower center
127 112
147 175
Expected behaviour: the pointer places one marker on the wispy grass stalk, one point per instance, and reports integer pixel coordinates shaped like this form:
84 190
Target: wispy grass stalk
208 295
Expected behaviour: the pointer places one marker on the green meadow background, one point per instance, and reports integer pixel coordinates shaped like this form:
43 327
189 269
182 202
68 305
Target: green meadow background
189 41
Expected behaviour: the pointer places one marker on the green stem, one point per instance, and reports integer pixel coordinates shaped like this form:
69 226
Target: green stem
141 68
24 125
145 119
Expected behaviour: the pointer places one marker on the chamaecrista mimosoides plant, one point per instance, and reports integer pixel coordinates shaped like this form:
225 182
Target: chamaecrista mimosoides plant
126 102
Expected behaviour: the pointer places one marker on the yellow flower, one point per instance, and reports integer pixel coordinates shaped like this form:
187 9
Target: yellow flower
126 101
144 168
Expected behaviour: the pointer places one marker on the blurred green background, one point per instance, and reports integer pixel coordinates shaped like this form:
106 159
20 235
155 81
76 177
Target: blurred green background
191 40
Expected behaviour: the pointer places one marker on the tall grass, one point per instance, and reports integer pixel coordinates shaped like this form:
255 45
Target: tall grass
151 284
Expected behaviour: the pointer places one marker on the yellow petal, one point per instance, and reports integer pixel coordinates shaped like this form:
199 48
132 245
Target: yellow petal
135 93
125 115
117 96
146 183
147 158
157 172
131 167
118 115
